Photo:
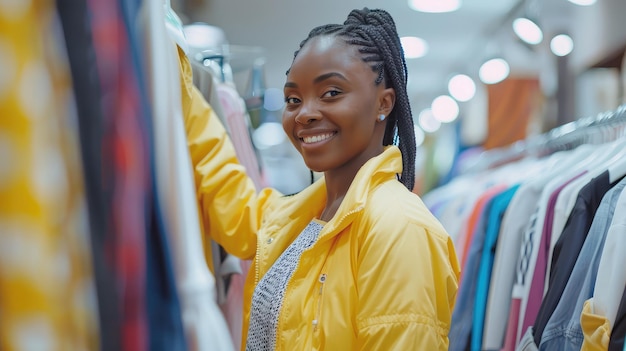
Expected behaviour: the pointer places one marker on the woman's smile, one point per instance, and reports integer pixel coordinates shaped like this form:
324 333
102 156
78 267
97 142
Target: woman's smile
315 139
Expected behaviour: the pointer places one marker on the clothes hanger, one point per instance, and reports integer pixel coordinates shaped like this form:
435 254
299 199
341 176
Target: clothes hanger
209 46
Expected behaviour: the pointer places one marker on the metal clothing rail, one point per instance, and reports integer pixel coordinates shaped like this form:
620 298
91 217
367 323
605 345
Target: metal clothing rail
601 128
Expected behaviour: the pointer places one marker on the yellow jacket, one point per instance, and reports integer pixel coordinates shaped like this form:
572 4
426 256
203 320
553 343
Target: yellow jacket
391 272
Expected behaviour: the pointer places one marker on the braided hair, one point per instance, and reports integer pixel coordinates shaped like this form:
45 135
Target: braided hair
374 33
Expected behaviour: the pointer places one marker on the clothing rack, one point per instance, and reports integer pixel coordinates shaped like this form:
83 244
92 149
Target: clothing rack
603 127
529 226
206 57
597 129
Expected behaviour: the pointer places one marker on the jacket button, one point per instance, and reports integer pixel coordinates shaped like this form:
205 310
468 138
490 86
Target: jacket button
269 241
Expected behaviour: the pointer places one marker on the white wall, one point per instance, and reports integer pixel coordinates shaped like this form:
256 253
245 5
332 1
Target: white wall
598 31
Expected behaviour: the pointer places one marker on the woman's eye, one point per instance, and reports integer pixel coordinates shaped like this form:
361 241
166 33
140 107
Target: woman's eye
291 100
331 93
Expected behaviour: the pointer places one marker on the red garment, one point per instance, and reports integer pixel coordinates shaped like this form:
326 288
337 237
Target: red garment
125 166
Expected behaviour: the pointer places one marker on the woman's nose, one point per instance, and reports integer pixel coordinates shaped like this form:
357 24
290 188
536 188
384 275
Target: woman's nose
308 113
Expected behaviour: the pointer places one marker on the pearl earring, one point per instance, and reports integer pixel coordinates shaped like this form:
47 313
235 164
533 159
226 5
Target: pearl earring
381 117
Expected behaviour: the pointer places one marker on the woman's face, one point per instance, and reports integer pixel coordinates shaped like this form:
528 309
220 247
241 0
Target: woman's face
332 107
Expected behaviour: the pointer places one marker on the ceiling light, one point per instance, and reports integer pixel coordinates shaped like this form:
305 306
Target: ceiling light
561 45
527 30
427 121
494 71
583 2
445 109
435 6
414 47
462 87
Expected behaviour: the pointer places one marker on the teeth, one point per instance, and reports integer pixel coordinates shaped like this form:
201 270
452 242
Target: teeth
316 138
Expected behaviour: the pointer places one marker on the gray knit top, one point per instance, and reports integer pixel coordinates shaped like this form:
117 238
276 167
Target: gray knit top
268 295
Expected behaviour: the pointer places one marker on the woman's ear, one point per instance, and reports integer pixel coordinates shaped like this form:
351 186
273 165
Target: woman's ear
387 99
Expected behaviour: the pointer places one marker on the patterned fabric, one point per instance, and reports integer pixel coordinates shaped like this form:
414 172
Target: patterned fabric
85 80
126 169
269 293
536 289
47 297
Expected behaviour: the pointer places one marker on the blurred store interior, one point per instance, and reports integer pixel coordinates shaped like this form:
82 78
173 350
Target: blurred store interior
556 61
103 244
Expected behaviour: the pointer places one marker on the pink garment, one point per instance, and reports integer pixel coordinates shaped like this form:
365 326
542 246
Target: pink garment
233 308
510 342
236 120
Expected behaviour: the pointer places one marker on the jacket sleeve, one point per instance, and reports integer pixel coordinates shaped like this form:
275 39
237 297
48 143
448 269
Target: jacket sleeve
407 282
230 208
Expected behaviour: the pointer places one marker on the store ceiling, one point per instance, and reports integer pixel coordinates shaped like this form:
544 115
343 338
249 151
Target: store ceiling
458 41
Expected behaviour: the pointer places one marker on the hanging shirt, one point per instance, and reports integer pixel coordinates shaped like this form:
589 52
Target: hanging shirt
496 211
86 84
502 304
618 332
543 237
125 171
568 247
611 280
596 329
525 299
461 326
563 330
204 325
237 119
601 320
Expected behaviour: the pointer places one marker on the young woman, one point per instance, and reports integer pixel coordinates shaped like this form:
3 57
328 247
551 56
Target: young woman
355 261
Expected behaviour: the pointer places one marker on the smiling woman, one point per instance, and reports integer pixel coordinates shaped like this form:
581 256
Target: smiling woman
329 112
356 260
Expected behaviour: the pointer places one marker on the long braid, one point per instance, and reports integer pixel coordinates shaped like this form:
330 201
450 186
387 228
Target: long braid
374 33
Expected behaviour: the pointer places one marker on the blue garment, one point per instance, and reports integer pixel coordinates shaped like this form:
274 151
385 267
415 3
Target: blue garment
563 331
497 208
461 325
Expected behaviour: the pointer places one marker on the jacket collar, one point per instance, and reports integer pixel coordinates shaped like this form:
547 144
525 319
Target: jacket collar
375 171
